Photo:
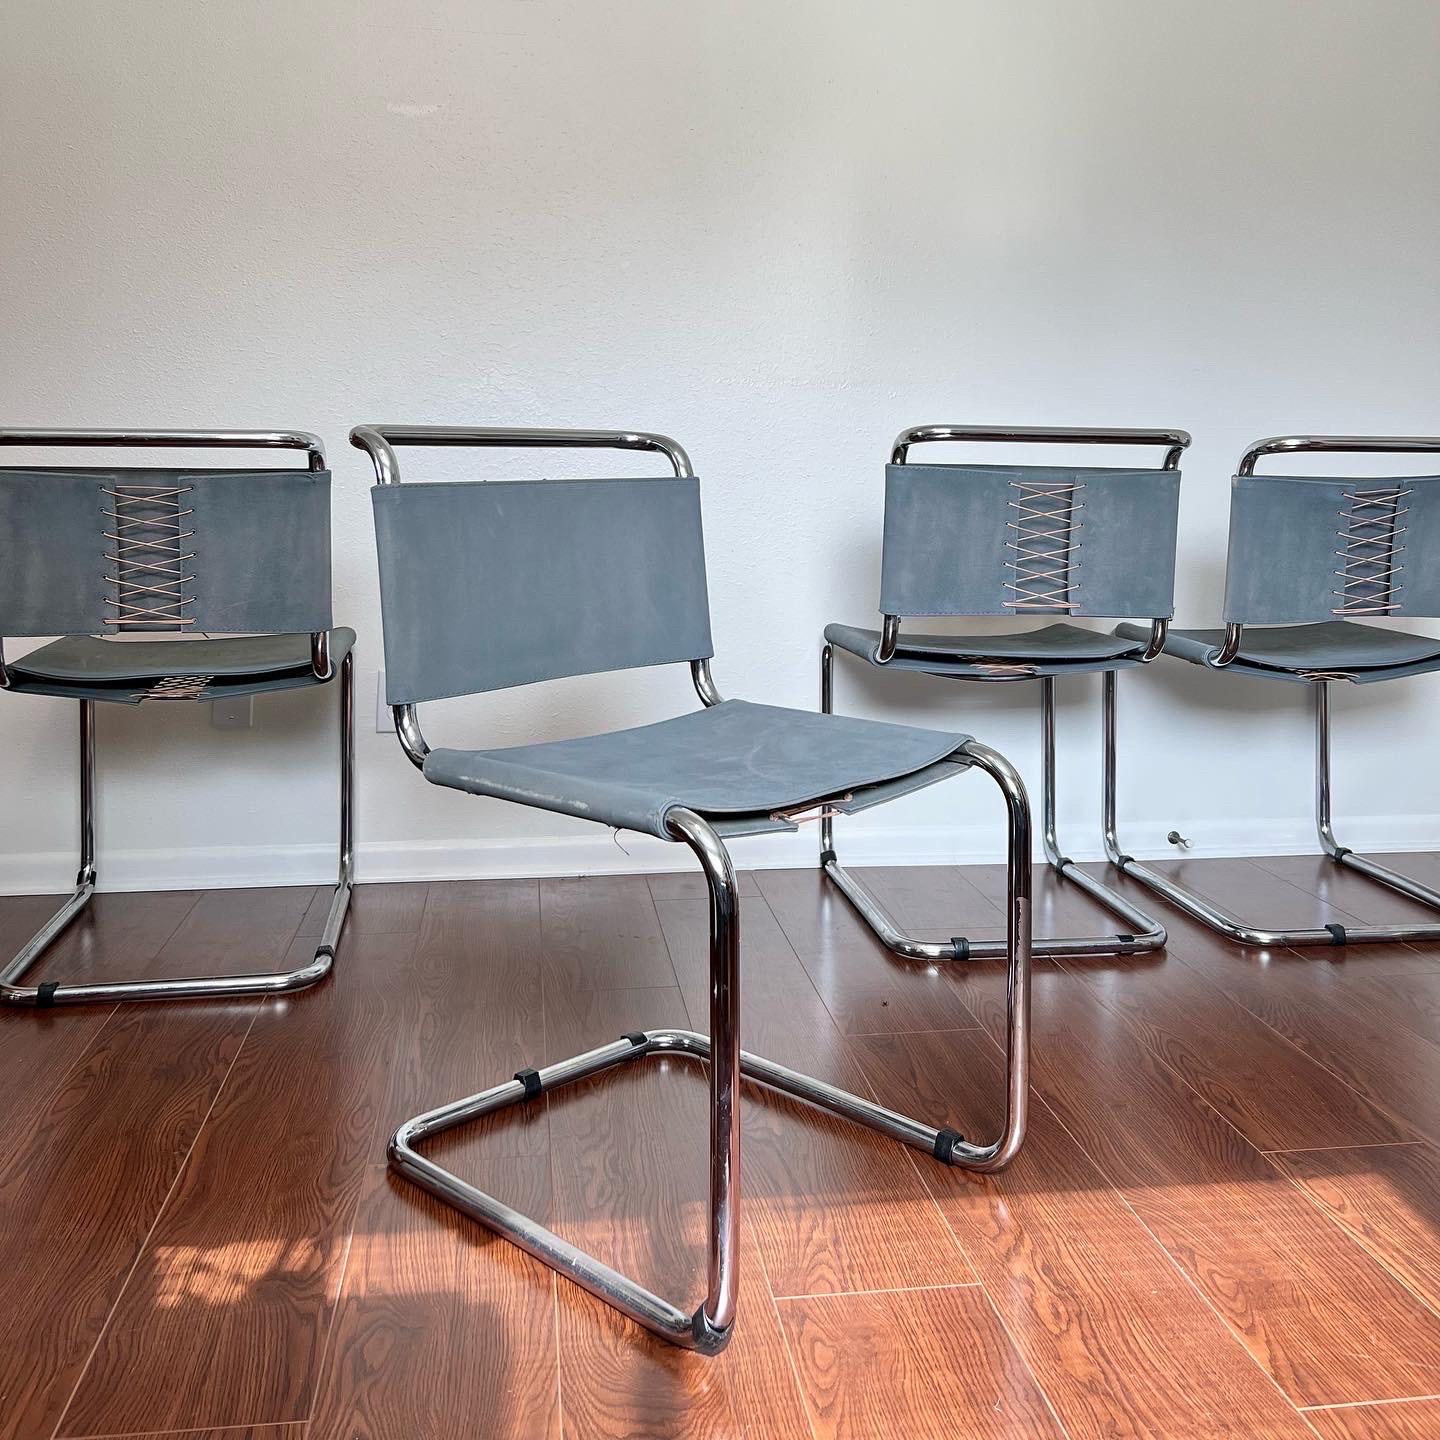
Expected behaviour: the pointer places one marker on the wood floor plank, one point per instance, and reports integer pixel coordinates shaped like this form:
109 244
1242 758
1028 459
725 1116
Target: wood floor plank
690 885
473 1015
1315 1309
443 1328
866 989
1320 1010
630 1186
228 1432
932 897
37 1047
1143 1262
1189 937
82 1185
270 910
601 932
1388 1197
1057 906
391 909
1122 1344
835 1206
1411 1000
628 1147
1368 900
225 1318
116 937
773 981
1270 1091
917 1362
1254 895
1402 1420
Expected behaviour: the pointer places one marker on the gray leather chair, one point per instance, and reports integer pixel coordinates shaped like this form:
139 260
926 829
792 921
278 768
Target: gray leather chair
1020 540
489 585
1310 560
93 554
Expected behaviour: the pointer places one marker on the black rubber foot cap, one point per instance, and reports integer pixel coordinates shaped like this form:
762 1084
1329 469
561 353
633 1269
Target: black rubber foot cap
828 857
1337 934
45 995
708 1340
945 1143
530 1079
636 1037
962 947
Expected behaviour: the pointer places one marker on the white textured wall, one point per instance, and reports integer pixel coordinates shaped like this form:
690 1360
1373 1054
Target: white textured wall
778 232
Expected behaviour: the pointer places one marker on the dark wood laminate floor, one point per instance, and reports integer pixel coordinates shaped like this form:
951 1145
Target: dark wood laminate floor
1226 1221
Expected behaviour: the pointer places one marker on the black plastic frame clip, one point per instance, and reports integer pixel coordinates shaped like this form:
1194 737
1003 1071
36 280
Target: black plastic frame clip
945 1142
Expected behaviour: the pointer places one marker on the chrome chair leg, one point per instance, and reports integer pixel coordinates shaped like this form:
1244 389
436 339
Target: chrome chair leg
708 1329
185 988
1227 924
1144 932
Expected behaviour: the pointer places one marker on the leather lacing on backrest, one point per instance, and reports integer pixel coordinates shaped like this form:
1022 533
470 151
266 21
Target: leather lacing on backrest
1044 544
1369 568
148 555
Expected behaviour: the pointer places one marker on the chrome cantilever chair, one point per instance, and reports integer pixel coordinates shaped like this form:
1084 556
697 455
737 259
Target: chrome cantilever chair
490 585
1308 558
1018 540
95 553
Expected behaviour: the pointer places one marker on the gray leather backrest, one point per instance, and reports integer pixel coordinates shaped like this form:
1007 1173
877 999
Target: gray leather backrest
1308 548
1029 539
488 584
122 549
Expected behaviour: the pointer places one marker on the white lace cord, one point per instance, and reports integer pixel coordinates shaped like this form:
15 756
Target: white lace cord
1044 545
1369 568
148 557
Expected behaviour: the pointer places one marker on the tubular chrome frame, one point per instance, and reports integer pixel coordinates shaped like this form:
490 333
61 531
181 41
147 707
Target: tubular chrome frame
709 1329
313 446
187 988
49 993
1145 932
1197 906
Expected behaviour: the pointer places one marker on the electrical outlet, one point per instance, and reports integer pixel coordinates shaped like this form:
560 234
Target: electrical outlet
384 720
236 713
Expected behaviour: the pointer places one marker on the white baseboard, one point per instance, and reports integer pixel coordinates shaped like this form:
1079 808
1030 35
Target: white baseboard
599 854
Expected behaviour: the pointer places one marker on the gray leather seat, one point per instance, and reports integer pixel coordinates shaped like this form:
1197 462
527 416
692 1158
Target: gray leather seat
736 763
1053 650
1342 648
87 667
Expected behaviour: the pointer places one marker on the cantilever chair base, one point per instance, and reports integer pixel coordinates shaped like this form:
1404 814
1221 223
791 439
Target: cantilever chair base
708 1329
691 1331
1243 933
51 993
1144 932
